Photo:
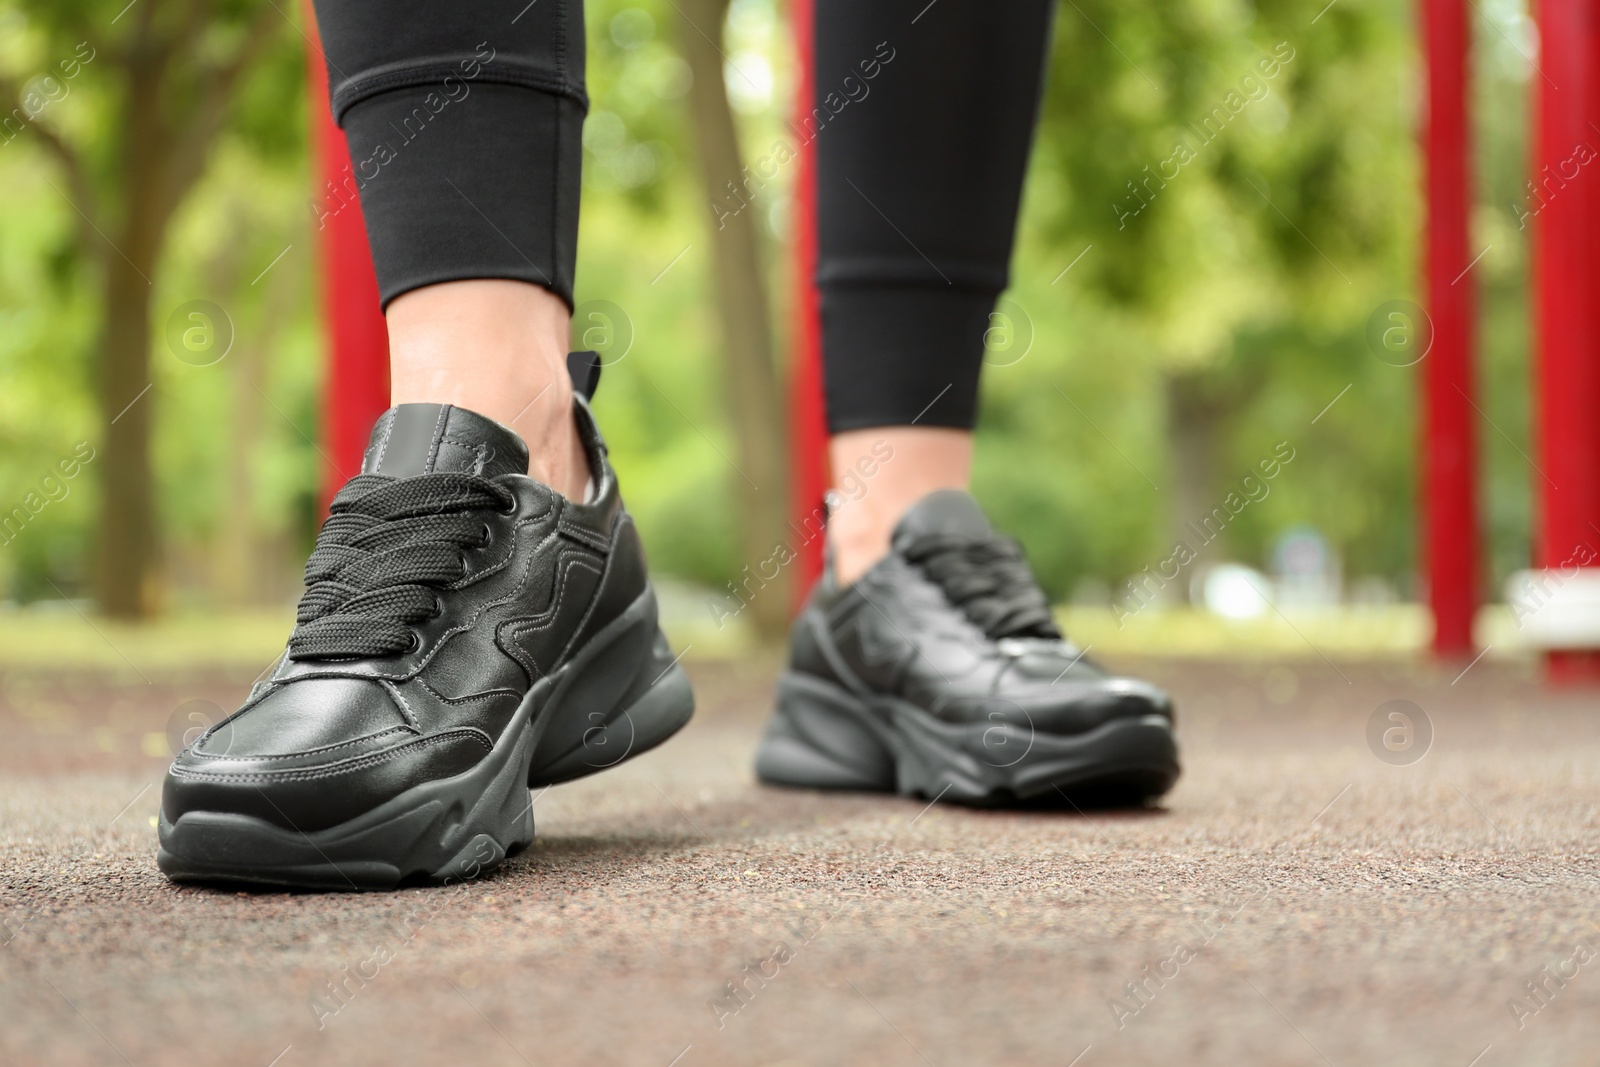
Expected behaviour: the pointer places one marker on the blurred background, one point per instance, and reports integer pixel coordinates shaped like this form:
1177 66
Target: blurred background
1159 342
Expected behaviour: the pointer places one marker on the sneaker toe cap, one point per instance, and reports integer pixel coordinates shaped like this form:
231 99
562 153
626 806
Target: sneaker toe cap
1083 706
312 755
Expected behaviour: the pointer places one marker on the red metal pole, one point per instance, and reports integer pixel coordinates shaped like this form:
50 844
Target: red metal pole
807 425
1564 210
356 389
1449 465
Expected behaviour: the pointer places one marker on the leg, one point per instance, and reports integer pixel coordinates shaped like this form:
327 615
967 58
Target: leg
465 131
919 180
925 459
927 660
450 596
497 347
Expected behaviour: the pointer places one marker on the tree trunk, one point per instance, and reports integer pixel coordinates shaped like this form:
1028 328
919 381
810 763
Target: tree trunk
238 553
753 398
236 556
1201 405
1192 429
127 578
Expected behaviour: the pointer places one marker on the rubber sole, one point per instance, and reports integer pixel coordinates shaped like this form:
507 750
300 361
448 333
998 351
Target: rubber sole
620 696
824 737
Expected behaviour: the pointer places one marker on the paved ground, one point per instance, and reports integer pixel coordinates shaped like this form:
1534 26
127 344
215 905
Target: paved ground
1297 901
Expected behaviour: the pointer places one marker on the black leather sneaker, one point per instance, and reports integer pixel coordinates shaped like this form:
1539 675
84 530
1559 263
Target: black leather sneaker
941 673
465 633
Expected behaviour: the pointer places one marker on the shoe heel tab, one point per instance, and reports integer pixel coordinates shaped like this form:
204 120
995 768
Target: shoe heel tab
826 589
584 369
595 450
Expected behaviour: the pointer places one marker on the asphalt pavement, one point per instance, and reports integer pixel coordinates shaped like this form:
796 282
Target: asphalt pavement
1320 888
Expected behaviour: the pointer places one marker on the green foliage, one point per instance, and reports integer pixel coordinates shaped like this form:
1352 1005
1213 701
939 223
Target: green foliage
1251 271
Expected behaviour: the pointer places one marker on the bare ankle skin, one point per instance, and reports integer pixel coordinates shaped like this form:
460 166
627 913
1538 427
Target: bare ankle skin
498 348
906 463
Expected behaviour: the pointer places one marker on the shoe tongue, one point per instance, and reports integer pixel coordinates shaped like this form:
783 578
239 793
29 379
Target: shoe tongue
945 511
413 439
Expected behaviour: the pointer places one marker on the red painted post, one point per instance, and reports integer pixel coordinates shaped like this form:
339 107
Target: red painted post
1449 461
808 437
1564 210
356 388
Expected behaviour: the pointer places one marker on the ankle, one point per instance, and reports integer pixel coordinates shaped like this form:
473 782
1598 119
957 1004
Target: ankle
560 460
497 348
855 548
878 474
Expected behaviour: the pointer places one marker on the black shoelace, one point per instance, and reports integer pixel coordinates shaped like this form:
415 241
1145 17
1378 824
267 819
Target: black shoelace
387 548
989 580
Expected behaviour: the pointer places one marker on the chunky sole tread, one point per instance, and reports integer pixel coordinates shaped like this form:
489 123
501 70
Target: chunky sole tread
622 695
824 737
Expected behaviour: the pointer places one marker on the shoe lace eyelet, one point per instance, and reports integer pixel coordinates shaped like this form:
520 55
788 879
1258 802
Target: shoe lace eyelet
416 643
488 536
510 506
438 608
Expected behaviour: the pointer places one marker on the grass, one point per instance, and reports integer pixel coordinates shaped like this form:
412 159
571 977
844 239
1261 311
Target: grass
57 637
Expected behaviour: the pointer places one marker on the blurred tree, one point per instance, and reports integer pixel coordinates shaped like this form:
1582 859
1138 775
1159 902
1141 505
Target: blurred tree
1239 179
752 394
1215 294
237 541
170 69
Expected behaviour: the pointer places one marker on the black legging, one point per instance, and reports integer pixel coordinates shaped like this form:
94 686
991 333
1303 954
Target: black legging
924 116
